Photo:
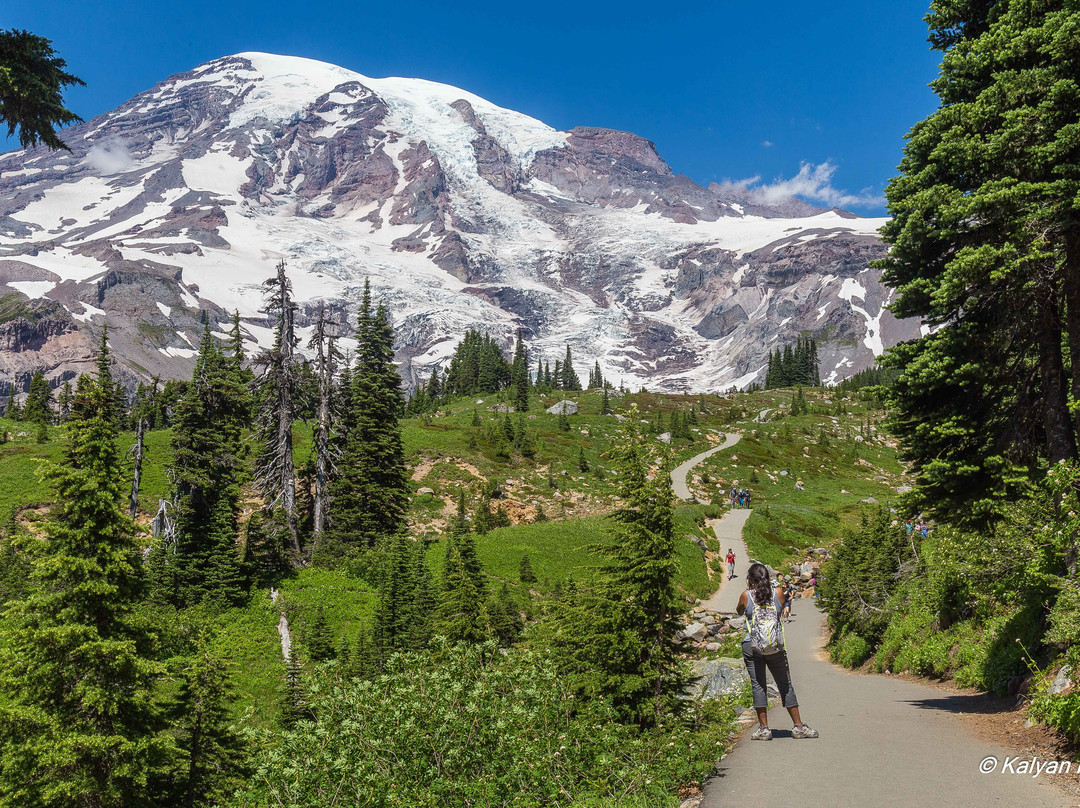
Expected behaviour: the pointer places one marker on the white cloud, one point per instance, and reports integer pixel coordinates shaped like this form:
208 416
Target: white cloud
813 183
109 157
767 144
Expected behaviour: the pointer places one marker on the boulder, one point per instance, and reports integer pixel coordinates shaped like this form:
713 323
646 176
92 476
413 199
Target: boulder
1062 682
737 623
664 438
563 408
718 677
808 592
712 646
708 620
425 490
783 474
695 631
869 501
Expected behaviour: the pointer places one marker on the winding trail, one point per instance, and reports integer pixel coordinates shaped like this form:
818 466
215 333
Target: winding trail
728 530
884 742
678 475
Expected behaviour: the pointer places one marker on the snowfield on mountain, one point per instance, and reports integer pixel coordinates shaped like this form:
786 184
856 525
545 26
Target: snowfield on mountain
461 213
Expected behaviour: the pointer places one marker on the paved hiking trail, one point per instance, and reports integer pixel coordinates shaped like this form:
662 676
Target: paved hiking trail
728 530
678 476
884 741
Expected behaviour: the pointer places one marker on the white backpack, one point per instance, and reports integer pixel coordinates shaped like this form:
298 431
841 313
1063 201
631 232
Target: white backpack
766 630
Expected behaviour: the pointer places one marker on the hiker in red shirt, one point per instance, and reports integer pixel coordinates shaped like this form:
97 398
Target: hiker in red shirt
730 564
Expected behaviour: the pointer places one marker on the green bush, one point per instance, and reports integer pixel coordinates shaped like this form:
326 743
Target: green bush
850 650
467 725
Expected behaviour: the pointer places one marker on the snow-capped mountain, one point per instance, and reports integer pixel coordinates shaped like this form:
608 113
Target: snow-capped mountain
461 213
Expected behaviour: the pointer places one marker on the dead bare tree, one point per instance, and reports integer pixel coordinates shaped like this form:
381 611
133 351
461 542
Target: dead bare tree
327 357
275 473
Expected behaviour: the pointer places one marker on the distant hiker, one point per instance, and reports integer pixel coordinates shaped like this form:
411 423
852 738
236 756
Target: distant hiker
730 563
747 500
732 494
924 529
909 526
789 594
763 648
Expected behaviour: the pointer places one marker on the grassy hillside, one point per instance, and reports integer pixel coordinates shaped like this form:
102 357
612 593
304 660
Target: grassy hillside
556 498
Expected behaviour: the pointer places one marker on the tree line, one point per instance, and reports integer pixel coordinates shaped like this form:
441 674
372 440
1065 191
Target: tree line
794 365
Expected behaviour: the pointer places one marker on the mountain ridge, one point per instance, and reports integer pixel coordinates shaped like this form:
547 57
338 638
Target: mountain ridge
461 213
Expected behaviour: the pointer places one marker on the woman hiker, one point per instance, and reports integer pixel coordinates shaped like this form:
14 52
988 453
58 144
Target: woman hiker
762 647
730 563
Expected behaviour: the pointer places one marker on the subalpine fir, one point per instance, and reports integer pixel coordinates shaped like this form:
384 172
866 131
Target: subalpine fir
78 722
370 493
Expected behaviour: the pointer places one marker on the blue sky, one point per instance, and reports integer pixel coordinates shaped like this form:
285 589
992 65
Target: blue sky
806 97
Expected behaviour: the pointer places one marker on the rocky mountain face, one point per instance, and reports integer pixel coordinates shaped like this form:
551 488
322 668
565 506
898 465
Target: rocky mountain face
461 214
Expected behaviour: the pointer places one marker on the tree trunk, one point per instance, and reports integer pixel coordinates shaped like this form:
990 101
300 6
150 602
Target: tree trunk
322 459
140 430
1060 435
287 470
1071 284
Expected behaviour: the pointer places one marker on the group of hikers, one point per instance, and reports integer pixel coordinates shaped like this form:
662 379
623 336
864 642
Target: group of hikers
740 496
911 526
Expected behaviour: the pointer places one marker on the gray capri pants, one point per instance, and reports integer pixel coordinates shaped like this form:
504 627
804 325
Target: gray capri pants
777 663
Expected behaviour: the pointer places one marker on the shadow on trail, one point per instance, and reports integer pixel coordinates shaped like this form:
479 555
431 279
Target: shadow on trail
970 703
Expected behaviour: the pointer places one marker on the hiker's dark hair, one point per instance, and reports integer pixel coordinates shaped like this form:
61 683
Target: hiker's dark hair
758 576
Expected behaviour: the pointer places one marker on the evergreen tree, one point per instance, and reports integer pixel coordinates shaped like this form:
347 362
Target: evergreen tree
461 616
320 638
605 404
396 609
31 92
275 473
370 493
482 522
570 379
461 542
557 376
505 615
623 639
424 598
11 406
520 375
294 706
78 725
208 470
63 401
213 754
39 400
525 571
984 249
582 462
